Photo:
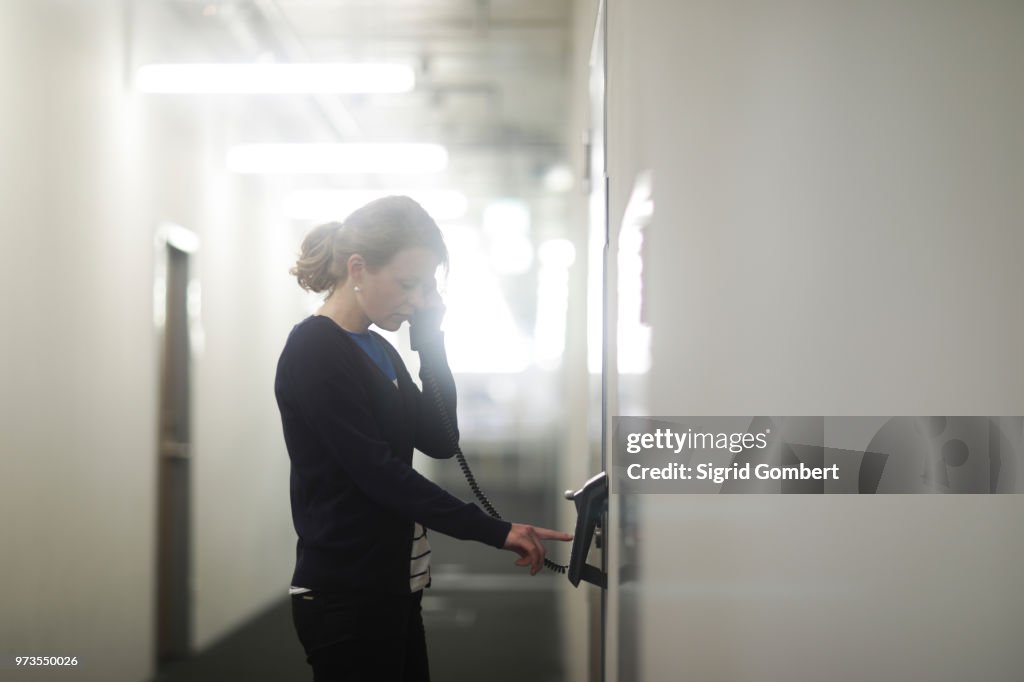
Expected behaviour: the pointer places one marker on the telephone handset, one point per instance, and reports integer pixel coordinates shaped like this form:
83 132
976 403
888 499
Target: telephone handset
424 329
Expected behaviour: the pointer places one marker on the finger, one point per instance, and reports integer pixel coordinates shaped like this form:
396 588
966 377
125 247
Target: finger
528 554
548 534
528 560
431 295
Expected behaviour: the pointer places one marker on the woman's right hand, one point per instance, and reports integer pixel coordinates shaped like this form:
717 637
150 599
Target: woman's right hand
525 540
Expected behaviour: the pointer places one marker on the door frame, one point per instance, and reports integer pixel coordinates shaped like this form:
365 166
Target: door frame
173 583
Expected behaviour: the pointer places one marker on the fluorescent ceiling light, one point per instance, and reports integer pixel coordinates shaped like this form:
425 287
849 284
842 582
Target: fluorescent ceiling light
274 78
322 205
559 178
337 158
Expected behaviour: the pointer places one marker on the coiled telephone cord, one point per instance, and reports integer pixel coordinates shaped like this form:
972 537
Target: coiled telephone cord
464 465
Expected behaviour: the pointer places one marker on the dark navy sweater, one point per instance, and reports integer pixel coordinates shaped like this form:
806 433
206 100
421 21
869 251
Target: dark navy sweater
350 435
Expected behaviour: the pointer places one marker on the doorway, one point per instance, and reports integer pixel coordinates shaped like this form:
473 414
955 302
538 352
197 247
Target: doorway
173 562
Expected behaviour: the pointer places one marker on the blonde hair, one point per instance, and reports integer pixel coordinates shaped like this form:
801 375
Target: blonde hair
376 231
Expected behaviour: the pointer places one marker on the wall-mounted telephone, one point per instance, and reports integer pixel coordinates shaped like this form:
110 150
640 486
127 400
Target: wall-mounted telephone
591 505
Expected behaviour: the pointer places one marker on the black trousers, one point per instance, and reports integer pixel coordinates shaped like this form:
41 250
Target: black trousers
350 638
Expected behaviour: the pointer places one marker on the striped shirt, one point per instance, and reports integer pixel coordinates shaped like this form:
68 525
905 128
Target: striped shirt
419 563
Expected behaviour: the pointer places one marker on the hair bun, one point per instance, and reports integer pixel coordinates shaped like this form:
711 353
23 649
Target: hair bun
314 268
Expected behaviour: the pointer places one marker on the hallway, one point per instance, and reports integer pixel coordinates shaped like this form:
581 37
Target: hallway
664 209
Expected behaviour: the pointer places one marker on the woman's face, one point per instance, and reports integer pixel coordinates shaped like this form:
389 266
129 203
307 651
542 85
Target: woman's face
392 293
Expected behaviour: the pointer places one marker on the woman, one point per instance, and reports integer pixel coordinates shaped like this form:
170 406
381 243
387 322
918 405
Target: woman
352 416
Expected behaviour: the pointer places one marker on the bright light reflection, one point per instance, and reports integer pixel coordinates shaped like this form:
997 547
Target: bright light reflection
506 226
556 253
559 178
481 334
274 78
323 205
634 336
556 256
337 158
595 284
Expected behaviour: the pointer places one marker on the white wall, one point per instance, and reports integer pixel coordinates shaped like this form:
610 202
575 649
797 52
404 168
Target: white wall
79 351
88 170
245 543
837 231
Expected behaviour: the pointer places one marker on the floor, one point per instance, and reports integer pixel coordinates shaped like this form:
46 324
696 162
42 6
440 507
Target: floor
484 617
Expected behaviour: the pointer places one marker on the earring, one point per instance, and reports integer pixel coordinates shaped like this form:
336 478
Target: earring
356 288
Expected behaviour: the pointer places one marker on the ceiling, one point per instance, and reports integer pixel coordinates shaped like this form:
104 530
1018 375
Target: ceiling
492 75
